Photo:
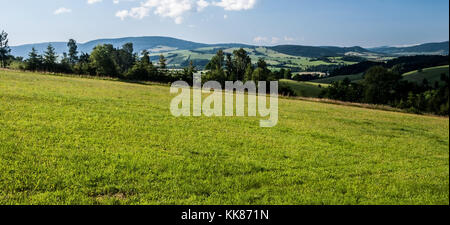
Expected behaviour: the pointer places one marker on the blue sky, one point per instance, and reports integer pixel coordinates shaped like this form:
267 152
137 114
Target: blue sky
366 23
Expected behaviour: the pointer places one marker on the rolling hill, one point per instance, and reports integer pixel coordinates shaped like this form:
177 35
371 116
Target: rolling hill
167 44
76 141
295 57
441 48
157 44
180 52
432 74
315 52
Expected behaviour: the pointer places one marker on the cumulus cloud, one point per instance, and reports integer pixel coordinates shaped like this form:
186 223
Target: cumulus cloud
93 1
260 39
202 4
275 40
272 40
62 10
236 5
176 9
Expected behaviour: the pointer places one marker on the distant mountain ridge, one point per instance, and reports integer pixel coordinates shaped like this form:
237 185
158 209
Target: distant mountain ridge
439 48
314 52
157 44
139 44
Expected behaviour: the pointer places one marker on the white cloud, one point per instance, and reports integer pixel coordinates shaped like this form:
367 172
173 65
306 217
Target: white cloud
170 8
116 1
93 1
225 16
202 4
275 40
272 40
137 13
260 39
236 5
176 9
62 10
122 14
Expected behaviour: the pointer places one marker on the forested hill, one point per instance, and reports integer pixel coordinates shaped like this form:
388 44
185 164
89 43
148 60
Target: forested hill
157 44
139 43
311 51
440 48
167 44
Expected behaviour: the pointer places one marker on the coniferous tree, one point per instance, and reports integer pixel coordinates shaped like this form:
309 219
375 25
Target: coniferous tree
50 58
162 62
34 60
4 49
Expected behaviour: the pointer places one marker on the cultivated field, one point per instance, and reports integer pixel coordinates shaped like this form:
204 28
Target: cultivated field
201 56
66 140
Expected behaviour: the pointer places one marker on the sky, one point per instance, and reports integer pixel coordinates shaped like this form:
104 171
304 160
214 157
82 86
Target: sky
367 23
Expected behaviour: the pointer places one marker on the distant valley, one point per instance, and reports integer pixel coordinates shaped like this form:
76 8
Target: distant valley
295 57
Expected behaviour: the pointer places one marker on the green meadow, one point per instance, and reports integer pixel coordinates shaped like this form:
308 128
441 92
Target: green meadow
70 140
274 59
432 74
330 80
304 89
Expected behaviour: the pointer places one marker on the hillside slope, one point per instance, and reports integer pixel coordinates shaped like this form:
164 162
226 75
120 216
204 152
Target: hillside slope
440 48
139 43
432 74
69 140
314 52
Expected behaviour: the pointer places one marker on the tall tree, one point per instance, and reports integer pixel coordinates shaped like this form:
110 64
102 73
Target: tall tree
162 62
73 51
231 71
50 58
216 71
381 85
102 59
4 48
249 73
145 57
34 60
240 63
216 62
125 57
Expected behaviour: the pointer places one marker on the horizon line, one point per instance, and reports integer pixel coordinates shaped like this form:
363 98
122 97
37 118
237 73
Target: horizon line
242 43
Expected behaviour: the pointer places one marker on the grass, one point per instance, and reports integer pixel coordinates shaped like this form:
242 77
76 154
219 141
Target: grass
67 140
304 89
329 80
432 74
273 58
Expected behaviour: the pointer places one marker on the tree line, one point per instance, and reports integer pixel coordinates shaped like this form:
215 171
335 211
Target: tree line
124 63
104 60
401 64
238 66
386 87
383 83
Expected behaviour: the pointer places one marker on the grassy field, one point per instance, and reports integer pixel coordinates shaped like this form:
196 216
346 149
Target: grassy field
66 140
304 89
431 74
329 80
273 58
